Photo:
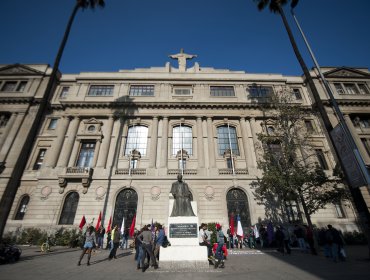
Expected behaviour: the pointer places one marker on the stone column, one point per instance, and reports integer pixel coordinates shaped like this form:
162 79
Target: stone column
8 127
355 136
200 143
103 154
247 152
211 149
53 153
113 147
69 143
164 152
153 143
16 125
254 137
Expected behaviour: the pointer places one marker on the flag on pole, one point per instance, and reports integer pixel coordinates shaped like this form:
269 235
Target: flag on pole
83 222
132 227
98 222
152 227
239 230
123 225
232 225
256 233
109 224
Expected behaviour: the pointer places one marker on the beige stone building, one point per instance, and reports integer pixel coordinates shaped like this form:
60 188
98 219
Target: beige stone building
115 142
351 90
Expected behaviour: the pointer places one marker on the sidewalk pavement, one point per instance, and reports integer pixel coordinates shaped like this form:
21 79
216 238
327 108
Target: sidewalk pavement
241 264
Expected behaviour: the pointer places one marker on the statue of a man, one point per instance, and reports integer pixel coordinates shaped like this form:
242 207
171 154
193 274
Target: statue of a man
182 195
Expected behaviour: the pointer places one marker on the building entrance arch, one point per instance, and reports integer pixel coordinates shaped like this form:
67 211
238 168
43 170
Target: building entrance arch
125 207
237 204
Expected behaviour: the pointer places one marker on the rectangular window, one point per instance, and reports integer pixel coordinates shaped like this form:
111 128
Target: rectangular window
229 163
363 89
351 89
101 91
64 92
339 88
291 208
21 86
297 94
339 210
309 126
39 159
321 158
141 90
133 163
52 124
222 91
182 91
366 143
260 91
86 154
9 86
15 86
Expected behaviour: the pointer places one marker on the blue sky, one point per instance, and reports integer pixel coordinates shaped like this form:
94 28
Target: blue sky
225 34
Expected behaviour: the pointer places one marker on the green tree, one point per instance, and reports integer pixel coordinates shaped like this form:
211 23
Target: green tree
14 181
288 163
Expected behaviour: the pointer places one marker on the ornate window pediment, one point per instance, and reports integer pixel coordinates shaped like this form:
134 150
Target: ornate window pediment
18 69
344 72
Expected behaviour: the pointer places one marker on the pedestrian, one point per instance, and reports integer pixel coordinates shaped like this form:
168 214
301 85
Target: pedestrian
279 238
310 239
231 237
159 241
204 241
147 246
138 248
90 238
125 237
115 242
109 239
334 242
220 243
299 233
286 240
101 233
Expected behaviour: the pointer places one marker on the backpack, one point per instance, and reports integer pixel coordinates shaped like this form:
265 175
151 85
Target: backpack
165 242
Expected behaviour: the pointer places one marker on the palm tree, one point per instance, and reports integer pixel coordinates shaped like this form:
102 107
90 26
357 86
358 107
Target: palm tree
14 181
275 6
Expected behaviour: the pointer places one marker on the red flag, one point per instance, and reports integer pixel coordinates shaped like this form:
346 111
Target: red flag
83 222
232 226
109 224
98 223
132 227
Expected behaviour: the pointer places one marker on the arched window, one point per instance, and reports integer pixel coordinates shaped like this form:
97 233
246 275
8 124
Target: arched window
137 139
69 209
227 140
182 138
22 208
126 205
237 204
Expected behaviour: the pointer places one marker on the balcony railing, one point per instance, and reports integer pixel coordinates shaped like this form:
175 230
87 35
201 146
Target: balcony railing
79 170
134 171
229 171
178 171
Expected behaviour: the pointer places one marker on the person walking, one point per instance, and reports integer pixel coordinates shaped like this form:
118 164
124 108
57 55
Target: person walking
90 238
220 243
115 242
147 242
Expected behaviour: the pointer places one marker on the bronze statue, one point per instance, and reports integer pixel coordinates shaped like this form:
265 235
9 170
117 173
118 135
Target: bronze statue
182 195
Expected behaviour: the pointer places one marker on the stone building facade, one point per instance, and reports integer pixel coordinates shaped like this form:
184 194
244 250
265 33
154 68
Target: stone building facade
115 142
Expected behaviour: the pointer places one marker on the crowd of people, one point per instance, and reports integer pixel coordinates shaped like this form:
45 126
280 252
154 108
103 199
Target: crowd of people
148 241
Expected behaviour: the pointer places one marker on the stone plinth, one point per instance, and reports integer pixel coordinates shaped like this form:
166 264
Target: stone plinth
184 252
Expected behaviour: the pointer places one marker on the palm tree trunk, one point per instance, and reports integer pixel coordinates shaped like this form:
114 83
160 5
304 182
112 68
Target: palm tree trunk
311 84
20 165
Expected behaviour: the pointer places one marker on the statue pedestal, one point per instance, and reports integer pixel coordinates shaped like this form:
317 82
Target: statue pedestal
184 252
